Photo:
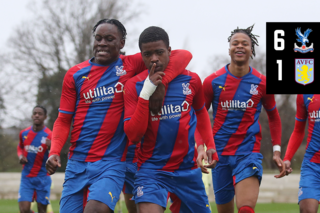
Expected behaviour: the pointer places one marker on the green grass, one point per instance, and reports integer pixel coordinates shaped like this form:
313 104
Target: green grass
11 206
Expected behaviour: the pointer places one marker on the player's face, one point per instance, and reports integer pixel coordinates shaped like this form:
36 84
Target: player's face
38 116
107 44
240 48
155 52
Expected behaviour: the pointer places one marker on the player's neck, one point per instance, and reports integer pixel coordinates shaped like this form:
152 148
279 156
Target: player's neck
239 70
37 128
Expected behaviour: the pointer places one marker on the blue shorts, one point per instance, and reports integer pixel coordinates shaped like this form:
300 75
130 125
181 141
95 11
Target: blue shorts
35 188
101 181
230 170
309 186
129 180
153 186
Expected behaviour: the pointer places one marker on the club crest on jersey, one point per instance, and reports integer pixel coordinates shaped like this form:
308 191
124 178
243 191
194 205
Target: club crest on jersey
304 70
186 89
139 191
253 90
303 39
43 140
120 71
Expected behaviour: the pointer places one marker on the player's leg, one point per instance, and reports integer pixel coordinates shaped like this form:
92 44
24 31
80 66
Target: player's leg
26 193
75 190
129 186
24 206
223 185
151 191
309 187
106 179
309 206
189 188
247 175
247 192
43 186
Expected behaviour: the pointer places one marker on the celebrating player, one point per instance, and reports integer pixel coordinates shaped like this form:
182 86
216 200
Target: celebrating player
33 154
309 186
237 93
92 96
166 158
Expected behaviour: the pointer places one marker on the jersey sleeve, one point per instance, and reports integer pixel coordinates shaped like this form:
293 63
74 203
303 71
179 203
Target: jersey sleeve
20 145
68 95
135 62
198 100
136 113
208 92
269 102
179 60
301 114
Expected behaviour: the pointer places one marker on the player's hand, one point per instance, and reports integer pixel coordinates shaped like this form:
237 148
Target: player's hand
156 99
23 159
278 161
212 163
202 155
48 142
52 163
288 167
155 77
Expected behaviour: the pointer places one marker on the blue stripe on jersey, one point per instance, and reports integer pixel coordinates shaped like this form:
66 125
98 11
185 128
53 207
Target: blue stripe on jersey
219 81
66 112
300 119
272 108
188 159
247 145
96 114
118 142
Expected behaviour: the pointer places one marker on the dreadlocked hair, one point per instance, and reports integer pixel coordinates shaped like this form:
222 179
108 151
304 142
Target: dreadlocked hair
115 22
248 32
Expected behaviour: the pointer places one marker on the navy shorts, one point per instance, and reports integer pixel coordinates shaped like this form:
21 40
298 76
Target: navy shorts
101 181
153 186
230 170
309 186
35 188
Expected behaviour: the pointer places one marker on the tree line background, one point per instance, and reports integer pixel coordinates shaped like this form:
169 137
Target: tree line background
60 36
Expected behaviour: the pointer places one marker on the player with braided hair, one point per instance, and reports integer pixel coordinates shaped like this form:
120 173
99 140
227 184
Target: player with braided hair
237 93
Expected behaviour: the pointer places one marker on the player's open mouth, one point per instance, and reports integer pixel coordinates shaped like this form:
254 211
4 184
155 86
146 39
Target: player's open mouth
102 52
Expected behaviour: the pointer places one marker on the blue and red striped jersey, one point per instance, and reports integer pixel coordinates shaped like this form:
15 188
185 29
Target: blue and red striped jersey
33 146
308 107
132 152
93 93
168 143
236 104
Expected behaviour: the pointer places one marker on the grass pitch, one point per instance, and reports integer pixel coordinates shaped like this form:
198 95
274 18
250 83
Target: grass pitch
11 206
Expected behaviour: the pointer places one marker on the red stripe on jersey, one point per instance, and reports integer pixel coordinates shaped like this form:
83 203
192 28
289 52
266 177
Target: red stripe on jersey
81 112
236 138
85 196
150 138
316 157
108 128
181 145
37 164
30 136
176 203
226 94
123 158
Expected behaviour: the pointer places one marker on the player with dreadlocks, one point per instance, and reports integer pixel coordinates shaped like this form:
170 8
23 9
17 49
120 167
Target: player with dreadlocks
237 93
92 97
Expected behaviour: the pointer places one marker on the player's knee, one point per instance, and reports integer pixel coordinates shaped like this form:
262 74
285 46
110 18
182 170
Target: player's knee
246 209
24 209
308 209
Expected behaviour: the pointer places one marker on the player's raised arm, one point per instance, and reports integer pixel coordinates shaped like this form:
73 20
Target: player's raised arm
297 134
61 127
275 131
137 108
